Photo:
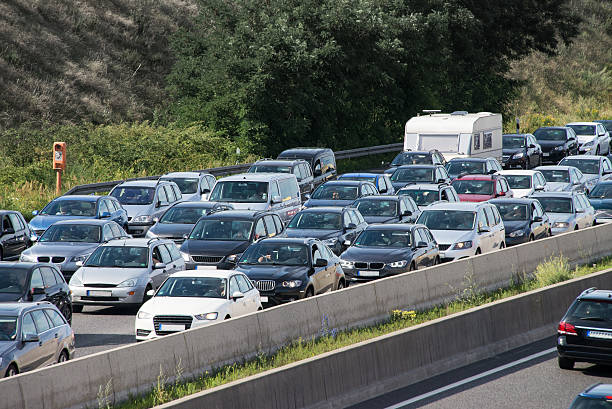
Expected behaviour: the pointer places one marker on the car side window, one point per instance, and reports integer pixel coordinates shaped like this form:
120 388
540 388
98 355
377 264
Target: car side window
359 216
482 220
278 222
579 174
444 173
297 171
270 226
54 317
505 185
260 230
107 233
110 205
117 231
327 253
166 258
490 216
27 325
498 186
162 196
6 223
172 196
175 254
496 214
157 258
177 193
204 184
346 219
58 277
233 286
249 283
316 254
15 221
577 204
274 189
48 277
538 209
37 281
102 208
403 206
41 321
430 236
242 283
606 164
353 217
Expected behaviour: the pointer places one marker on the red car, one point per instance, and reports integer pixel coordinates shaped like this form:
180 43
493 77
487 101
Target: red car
479 188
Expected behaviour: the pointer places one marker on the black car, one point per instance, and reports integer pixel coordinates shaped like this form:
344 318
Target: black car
286 269
594 397
472 166
178 220
524 220
322 162
585 331
220 238
432 157
520 151
411 174
388 209
15 235
33 282
383 250
299 167
337 227
557 142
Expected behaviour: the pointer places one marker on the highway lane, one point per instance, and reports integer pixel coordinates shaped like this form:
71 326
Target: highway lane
535 383
101 328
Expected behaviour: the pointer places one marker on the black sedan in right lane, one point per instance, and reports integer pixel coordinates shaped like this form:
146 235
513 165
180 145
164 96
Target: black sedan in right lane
524 220
384 250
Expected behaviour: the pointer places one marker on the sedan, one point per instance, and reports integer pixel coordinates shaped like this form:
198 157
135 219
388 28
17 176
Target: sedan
524 220
525 182
388 209
594 168
194 298
557 142
563 178
411 174
521 150
389 249
340 193
594 397
567 211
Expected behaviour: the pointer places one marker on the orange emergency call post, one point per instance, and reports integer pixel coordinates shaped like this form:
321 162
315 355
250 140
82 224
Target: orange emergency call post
59 163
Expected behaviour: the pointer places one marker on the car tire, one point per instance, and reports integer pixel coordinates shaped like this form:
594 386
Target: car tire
78 308
340 285
309 293
145 297
478 251
0 253
502 245
436 261
530 237
597 151
63 357
412 267
565 363
67 313
227 317
11 371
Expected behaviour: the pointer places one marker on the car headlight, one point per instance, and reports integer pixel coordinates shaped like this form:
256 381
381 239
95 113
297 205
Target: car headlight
560 225
143 315
330 242
75 281
207 316
79 258
142 219
347 264
128 283
185 256
462 245
27 258
398 264
516 233
292 283
559 148
518 155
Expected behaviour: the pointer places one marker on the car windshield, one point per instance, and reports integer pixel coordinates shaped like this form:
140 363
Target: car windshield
386 208
82 233
12 281
205 287
8 327
591 310
384 238
335 192
186 185
70 208
269 169
413 175
457 167
550 135
421 197
412 159
240 191
447 219
276 253
556 176
119 256
601 191
134 195
222 230
588 166
473 187
519 181
513 142
512 212
316 221
364 178
183 215
583 129
556 204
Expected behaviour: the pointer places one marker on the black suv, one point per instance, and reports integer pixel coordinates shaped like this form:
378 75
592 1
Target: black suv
557 142
299 167
15 235
33 282
286 269
432 157
220 238
322 162
585 331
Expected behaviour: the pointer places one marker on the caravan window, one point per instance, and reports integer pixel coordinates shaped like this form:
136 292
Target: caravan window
476 141
487 141
443 143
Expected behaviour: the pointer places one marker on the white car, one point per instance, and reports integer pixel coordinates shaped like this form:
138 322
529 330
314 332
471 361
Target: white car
525 182
194 298
593 139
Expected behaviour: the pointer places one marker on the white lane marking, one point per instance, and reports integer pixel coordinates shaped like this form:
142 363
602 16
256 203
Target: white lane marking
471 379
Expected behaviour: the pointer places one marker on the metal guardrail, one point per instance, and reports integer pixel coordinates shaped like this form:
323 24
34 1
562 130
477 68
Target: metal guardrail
234 169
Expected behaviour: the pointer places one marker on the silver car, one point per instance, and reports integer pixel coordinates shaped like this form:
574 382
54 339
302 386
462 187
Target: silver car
33 335
567 211
194 186
464 229
594 168
563 178
122 271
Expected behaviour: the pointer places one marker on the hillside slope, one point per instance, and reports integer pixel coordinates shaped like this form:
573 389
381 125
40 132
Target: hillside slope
85 60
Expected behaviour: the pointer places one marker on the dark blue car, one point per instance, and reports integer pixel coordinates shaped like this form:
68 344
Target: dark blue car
381 181
340 193
601 200
78 207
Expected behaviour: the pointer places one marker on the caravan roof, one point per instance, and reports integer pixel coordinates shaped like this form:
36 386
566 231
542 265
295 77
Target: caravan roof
459 122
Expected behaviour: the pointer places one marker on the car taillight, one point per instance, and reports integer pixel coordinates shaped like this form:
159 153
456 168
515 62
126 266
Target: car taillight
566 328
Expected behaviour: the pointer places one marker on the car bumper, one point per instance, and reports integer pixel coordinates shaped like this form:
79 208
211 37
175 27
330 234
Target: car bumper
145 329
514 163
362 276
138 229
280 296
557 230
107 295
513 241
602 220
452 255
582 353
553 156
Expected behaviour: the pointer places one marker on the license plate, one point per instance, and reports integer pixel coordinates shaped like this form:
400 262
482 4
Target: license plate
545 154
171 327
98 293
263 298
368 273
599 334
441 254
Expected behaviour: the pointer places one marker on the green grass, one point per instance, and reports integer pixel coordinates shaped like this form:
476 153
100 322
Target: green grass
553 270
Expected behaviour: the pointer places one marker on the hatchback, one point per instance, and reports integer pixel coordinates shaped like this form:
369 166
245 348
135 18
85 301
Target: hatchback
524 220
411 174
426 194
521 150
15 235
557 142
388 209
340 193
567 211
381 181
478 188
432 157
472 166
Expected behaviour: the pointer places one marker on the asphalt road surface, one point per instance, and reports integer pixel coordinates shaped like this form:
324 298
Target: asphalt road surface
102 328
526 378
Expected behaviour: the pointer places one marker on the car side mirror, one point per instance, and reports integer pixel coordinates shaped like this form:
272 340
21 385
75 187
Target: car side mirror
406 213
185 236
441 181
276 199
351 226
159 266
37 291
382 191
500 194
347 243
155 219
531 146
537 219
492 172
9 230
579 210
306 196
576 183
539 187
237 295
317 173
320 262
150 293
205 191
421 244
105 215
31 338
35 213
158 204
79 263
484 229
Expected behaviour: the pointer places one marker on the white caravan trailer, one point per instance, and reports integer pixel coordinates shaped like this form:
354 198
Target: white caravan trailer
459 134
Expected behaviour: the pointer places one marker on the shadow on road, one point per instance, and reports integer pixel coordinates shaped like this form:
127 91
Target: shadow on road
110 311
94 340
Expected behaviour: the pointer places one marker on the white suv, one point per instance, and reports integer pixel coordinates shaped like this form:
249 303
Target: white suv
464 229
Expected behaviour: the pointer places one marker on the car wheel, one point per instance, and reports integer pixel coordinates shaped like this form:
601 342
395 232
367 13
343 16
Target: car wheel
11 370
63 357
502 245
436 261
412 267
575 228
477 252
597 151
77 308
565 363
549 233
67 313
309 293
531 237
340 285
145 297
227 317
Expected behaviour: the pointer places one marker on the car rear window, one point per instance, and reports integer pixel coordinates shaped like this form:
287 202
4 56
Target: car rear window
591 310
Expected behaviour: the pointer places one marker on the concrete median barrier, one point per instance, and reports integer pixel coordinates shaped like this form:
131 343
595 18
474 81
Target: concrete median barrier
135 368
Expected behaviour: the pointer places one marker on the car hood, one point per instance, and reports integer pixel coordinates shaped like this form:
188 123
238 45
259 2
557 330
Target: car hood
42 222
171 230
109 275
452 236
474 198
521 192
377 254
547 146
274 272
320 234
326 202
601 203
137 210
61 249
183 305
558 187
512 151
560 217
516 225
380 219
398 185
214 248
585 138
250 206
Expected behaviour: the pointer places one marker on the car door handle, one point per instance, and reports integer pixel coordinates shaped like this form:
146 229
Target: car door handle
39 343
55 335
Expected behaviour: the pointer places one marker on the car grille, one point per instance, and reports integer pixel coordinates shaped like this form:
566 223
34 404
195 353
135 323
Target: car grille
265 285
369 266
443 247
52 259
88 298
171 319
99 285
207 259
